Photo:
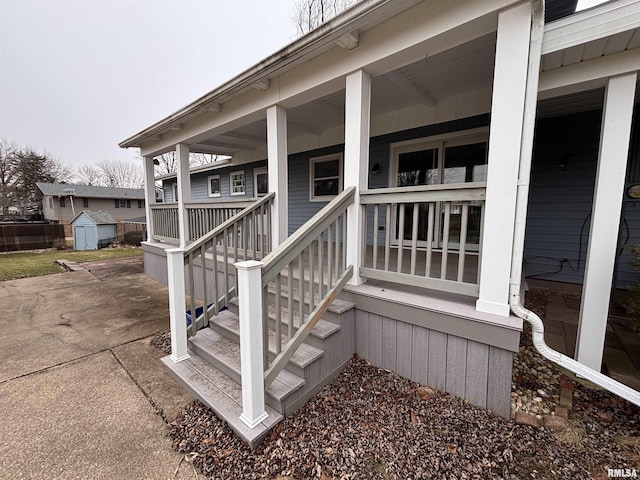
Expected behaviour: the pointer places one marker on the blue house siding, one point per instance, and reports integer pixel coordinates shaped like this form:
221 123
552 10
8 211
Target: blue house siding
561 196
200 189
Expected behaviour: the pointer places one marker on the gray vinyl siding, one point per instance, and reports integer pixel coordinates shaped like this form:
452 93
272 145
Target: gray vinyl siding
560 201
107 204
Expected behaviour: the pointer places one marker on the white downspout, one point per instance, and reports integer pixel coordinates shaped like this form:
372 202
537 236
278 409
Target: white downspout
526 152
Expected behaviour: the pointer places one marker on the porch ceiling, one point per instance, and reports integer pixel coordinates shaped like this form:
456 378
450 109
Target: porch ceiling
464 68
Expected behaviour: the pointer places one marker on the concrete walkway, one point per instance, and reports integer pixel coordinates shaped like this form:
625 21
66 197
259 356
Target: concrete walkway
82 393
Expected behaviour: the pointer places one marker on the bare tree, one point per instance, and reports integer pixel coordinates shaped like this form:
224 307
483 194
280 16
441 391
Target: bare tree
88 175
119 173
310 14
168 162
8 158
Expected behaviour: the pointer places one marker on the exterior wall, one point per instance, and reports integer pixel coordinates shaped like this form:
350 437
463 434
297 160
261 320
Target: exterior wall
200 188
561 196
58 213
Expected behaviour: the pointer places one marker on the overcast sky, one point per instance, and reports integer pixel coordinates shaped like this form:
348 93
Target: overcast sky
79 76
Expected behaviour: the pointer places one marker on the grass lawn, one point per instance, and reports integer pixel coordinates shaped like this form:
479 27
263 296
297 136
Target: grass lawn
33 264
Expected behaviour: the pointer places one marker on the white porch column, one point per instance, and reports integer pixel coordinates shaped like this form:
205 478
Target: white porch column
507 110
149 194
177 318
605 219
356 161
277 165
251 354
184 191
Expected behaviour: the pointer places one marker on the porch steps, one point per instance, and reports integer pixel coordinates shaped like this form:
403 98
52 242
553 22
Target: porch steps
220 393
213 375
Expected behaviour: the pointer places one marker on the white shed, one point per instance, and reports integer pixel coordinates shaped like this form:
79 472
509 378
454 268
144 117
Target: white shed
93 229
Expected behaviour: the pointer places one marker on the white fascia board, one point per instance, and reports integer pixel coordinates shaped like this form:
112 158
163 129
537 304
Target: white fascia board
424 30
587 75
602 21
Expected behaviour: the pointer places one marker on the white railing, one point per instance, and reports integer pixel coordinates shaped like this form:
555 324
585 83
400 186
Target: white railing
204 217
426 236
165 222
204 270
303 276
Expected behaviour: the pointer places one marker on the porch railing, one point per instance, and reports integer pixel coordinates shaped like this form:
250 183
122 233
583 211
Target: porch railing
317 251
210 274
165 222
427 236
204 217
201 218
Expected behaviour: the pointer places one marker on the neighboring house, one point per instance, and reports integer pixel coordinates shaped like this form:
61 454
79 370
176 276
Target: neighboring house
62 202
399 143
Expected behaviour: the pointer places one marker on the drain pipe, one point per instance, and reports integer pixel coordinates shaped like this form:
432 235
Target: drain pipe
537 326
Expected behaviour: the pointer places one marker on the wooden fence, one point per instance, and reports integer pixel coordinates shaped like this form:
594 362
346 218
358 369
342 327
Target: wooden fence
28 236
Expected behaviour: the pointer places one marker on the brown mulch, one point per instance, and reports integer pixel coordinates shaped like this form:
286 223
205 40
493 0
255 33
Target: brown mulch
370 423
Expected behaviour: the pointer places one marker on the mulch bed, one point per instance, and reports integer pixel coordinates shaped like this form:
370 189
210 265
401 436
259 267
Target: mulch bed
371 423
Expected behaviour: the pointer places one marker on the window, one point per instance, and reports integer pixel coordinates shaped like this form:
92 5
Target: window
214 185
237 183
325 177
260 181
122 203
140 203
50 202
443 159
85 203
63 202
174 189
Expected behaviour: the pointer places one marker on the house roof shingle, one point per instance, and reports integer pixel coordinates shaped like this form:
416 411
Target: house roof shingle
62 189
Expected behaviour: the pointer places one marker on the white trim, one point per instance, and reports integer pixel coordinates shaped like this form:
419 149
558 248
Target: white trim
312 179
244 186
209 193
256 172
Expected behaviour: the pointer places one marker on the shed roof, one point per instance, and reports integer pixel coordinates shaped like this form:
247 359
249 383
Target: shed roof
62 189
99 217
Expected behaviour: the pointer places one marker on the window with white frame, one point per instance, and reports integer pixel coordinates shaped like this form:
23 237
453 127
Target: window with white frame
213 182
260 181
237 183
325 177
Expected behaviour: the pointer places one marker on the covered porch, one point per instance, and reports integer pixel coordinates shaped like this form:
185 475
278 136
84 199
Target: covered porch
396 165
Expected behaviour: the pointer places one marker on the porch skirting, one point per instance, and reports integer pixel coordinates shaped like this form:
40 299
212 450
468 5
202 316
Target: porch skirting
438 341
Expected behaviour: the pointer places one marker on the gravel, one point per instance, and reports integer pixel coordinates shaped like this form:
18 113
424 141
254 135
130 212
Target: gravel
370 423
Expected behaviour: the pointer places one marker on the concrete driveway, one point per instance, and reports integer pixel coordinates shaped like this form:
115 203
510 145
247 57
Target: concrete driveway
82 392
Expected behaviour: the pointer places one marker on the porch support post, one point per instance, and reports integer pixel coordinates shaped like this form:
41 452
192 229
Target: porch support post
184 191
277 165
507 113
177 318
605 219
251 355
356 161
149 194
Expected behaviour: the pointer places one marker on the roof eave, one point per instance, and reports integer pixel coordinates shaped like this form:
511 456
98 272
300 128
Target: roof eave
324 34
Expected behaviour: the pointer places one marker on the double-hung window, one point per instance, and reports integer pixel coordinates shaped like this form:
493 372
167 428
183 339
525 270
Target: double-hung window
325 177
237 183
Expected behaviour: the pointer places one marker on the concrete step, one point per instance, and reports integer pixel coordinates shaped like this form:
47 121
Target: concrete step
224 354
220 393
